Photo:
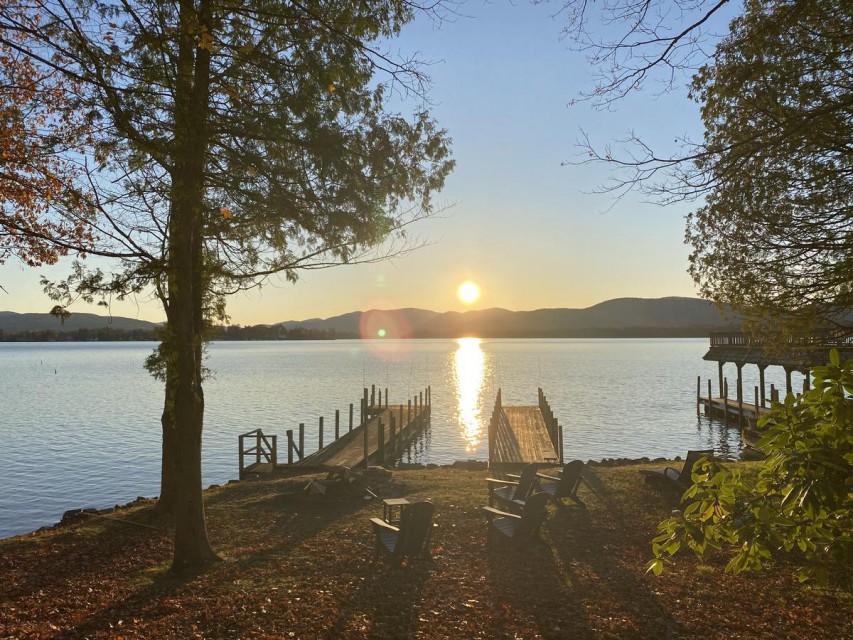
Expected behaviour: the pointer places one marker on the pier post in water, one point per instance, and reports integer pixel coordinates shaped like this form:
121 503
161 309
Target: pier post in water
320 432
380 442
698 393
350 416
337 423
290 446
301 440
393 440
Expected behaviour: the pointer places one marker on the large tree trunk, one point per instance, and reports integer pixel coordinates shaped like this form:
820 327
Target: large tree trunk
185 268
168 466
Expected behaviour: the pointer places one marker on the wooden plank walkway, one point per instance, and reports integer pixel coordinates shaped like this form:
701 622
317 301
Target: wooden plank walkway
380 438
349 450
727 409
520 435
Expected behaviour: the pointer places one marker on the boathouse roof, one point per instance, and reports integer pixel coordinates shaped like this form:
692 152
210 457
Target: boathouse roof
798 352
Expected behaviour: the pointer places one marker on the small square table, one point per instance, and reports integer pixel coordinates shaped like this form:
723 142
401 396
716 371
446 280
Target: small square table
388 507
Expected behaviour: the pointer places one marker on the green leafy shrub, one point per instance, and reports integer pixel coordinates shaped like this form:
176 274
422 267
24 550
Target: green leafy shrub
801 501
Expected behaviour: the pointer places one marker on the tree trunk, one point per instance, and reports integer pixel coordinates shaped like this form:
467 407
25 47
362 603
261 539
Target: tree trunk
168 468
185 269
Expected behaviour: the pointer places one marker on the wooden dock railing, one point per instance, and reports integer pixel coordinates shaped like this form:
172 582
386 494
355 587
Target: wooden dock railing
259 449
827 339
555 432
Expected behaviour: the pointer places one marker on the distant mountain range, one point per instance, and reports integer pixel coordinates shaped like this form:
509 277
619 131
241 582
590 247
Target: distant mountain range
623 317
15 322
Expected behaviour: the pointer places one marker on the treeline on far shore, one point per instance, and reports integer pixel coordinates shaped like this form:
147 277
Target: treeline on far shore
112 334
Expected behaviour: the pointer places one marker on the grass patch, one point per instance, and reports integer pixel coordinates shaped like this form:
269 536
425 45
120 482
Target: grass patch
302 566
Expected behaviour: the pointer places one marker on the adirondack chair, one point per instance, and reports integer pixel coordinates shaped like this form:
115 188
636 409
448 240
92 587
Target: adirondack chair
512 493
564 486
681 478
518 526
411 538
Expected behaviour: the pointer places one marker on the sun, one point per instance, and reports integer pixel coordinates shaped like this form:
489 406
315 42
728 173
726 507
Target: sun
468 292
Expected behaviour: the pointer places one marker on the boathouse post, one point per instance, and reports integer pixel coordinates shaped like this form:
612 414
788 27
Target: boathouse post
290 446
739 366
725 391
709 397
772 393
337 423
720 373
808 381
788 388
350 416
757 413
761 369
320 439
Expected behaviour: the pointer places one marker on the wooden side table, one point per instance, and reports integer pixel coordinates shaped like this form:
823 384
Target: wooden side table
388 507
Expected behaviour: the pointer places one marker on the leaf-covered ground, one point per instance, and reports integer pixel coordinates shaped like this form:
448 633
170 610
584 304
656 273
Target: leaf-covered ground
298 565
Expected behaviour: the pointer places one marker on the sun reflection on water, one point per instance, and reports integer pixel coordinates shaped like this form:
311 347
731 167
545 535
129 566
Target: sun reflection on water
470 372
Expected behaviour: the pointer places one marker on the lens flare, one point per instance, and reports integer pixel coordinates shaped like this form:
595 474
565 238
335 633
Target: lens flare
386 334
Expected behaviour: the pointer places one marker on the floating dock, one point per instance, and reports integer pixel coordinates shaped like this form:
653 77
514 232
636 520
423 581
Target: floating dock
520 435
380 437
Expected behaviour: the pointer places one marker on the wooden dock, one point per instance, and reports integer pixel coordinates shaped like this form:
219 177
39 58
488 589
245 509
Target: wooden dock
730 410
380 440
379 437
520 435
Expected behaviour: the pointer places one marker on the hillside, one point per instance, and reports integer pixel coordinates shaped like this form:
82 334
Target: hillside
14 322
623 317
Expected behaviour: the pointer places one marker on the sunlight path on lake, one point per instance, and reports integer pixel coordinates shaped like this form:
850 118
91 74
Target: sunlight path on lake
469 373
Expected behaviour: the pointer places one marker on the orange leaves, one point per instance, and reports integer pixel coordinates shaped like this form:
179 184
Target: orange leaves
39 125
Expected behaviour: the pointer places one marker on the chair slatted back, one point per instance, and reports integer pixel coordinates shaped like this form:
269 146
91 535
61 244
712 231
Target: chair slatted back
533 514
692 458
415 529
526 482
570 479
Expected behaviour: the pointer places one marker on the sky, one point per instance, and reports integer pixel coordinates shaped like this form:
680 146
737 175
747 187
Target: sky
518 217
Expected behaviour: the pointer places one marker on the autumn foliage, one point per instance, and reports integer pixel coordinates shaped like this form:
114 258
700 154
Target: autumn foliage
298 565
42 208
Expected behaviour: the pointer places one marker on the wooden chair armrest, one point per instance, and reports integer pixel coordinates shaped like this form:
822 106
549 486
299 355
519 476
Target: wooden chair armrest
492 481
380 524
539 474
513 475
497 512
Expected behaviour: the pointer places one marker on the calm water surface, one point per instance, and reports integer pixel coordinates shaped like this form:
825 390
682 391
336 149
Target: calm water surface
79 422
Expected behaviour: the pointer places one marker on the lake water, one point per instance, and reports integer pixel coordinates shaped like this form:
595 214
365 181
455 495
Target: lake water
79 422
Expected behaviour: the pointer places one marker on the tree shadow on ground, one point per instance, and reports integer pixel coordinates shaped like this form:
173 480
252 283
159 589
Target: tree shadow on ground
530 589
387 603
603 554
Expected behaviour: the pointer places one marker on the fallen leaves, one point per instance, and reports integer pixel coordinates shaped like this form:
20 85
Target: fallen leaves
314 575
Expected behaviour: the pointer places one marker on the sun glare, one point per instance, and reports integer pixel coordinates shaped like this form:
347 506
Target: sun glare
468 292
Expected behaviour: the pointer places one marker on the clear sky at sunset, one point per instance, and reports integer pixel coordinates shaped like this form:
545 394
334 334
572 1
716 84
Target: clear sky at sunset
527 230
